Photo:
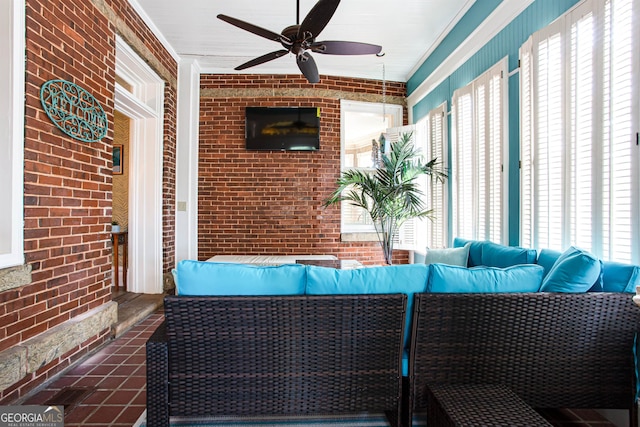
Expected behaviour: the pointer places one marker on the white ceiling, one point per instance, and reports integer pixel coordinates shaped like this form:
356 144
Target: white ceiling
407 30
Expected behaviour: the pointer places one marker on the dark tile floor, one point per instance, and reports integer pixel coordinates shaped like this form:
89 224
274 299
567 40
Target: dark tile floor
109 387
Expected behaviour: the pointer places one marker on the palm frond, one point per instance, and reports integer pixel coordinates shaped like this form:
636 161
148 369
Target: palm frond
390 194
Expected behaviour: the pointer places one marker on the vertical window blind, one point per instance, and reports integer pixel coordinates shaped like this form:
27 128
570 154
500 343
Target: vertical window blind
478 156
437 148
431 137
408 234
579 124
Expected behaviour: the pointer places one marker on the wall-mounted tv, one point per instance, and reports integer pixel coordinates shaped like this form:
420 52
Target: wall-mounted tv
282 128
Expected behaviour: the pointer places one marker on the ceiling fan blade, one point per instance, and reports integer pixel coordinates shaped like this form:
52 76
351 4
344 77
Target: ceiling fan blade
308 67
345 48
262 59
318 18
253 28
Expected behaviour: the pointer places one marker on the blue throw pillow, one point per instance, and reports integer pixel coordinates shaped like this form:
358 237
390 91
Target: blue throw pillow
450 256
475 250
213 278
453 279
618 277
501 256
576 271
546 258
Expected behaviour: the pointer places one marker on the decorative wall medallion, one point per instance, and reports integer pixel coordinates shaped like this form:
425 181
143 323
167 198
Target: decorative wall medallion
73 110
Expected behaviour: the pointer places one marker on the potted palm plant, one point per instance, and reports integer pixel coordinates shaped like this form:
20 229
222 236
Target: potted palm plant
391 194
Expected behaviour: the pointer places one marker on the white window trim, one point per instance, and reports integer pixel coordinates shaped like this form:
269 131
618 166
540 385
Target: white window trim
12 74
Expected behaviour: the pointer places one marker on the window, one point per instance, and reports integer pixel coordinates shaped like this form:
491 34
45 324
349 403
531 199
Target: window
579 130
12 69
478 157
362 123
409 230
431 133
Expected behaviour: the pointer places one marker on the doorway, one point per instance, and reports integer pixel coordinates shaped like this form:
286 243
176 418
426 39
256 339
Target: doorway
120 199
139 97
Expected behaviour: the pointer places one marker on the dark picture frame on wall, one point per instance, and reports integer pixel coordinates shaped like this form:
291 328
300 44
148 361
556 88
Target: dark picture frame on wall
118 159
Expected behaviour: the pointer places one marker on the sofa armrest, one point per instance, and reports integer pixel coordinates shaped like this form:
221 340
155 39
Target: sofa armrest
158 378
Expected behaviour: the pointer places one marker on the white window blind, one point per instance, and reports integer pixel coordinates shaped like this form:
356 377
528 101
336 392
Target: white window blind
479 157
408 232
579 124
435 128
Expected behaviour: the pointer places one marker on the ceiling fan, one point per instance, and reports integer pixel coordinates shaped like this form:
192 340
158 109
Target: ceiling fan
300 39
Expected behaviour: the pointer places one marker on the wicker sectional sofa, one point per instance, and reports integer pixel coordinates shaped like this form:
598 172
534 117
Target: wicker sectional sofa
238 338
550 350
276 355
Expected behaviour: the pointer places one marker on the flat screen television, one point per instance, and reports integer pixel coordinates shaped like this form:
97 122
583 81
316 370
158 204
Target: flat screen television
282 128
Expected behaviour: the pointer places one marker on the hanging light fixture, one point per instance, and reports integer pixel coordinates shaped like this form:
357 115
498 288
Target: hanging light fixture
382 140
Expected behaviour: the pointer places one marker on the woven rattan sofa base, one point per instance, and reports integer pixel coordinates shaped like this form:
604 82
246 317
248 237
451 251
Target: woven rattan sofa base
276 355
474 405
551 350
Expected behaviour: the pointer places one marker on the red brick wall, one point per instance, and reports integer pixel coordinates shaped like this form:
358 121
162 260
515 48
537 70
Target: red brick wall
271 202
68 183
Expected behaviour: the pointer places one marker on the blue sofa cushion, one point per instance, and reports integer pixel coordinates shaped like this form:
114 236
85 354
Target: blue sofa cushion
618 277
453 279
576 270
489 254
392 279
502 256
546 258
450 256
475 250
212 278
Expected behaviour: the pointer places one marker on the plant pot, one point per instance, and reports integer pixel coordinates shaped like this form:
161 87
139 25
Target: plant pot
115 228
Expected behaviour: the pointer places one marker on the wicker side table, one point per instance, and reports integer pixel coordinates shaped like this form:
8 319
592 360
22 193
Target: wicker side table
479 406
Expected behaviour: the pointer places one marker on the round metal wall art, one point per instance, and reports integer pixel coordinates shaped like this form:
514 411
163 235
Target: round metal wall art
73 110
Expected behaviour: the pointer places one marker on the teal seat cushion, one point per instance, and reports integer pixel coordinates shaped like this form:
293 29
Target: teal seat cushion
575 271
489 254
501 256
406 279
392 279
618 277
212 278
452 279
